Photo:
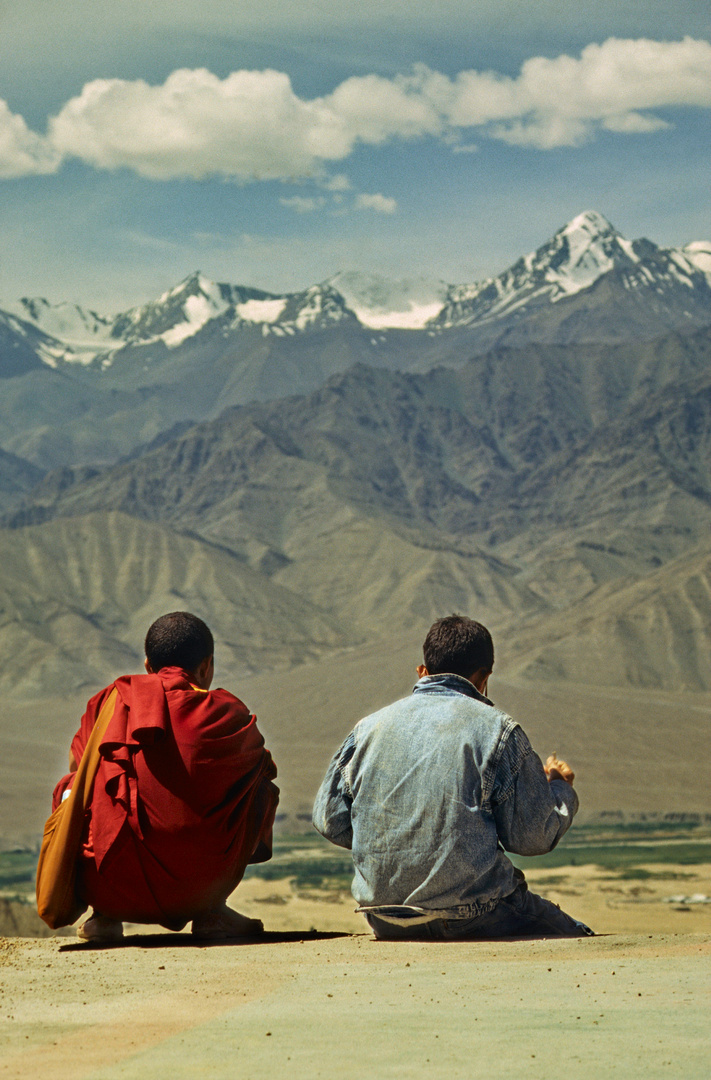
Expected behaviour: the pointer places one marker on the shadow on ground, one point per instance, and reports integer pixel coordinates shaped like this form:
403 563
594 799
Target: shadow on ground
171 940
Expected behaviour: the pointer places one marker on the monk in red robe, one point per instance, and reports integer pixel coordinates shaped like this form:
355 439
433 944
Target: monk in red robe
183 799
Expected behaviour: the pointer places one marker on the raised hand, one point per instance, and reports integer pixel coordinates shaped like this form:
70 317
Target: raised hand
555 769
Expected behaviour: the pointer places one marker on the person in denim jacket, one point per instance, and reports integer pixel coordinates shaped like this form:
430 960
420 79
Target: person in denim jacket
430 793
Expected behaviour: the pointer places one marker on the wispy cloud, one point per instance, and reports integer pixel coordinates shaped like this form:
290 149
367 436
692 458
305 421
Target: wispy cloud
304 204
382 204
252 126
338 183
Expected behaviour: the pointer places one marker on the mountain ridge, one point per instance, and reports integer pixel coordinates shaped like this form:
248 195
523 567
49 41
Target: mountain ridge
355 477
572 261
203 346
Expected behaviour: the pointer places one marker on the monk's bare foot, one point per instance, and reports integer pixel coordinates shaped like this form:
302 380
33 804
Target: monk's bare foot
223 922
101 929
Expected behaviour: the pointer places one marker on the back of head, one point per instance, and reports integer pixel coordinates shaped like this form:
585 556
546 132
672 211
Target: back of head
458 646
178 639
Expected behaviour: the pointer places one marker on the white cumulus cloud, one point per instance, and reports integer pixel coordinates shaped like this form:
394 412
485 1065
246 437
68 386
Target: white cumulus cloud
22 152
249 126
564 101
253 126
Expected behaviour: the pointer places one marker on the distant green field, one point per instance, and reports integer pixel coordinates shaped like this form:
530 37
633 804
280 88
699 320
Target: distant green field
619 856
309 862
17 871
622 848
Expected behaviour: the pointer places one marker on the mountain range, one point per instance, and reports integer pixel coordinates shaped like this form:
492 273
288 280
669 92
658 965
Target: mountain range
81 388
321 474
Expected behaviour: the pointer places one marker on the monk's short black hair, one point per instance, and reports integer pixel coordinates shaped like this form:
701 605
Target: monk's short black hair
458 646
178 639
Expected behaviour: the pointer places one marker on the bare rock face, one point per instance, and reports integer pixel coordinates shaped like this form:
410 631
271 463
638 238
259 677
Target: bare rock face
540 488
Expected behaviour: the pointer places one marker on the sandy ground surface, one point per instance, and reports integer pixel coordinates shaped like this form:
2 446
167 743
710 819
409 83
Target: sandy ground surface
308 1003
302 1005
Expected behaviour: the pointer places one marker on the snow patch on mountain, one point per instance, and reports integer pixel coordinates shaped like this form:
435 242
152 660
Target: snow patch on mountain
261 311
205 303
67 321
698 254
319 304
197 311
74 334
381 304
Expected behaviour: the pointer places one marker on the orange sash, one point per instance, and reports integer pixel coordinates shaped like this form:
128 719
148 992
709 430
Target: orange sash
57 901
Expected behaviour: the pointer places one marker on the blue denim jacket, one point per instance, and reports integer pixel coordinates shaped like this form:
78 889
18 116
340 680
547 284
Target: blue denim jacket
428 793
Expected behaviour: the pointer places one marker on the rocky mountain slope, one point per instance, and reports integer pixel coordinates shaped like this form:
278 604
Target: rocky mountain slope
560 494
466 450
654 631
320 475
77 595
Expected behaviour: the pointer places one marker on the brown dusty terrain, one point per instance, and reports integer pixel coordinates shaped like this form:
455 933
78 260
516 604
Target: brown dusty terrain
308 1003
323 1005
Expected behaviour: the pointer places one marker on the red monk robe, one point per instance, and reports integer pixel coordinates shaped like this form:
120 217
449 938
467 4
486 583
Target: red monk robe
182 801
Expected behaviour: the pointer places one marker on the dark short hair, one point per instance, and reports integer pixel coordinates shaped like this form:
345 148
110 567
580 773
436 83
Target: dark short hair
459 646
178 639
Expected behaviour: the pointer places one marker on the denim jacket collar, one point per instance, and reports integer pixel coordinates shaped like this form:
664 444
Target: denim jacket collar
448 682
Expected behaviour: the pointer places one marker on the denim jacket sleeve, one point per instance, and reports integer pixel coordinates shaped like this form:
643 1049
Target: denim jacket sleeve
332 808
531 814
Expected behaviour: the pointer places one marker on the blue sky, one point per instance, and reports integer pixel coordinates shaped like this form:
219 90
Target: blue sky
274 144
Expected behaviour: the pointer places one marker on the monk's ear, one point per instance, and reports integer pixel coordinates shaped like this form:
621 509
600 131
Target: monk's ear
204 673
147 666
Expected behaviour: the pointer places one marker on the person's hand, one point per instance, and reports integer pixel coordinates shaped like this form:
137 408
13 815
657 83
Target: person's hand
555 769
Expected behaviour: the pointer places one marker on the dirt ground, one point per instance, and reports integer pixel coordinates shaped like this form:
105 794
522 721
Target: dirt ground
308 1003
302 1005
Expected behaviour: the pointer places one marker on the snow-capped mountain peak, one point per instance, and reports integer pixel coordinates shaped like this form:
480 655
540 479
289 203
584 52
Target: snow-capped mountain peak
315 308
652 286
572 261
69 322
580 252
68 332
178 314
698 253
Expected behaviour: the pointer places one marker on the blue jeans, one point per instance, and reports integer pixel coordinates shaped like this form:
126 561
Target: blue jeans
522 914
